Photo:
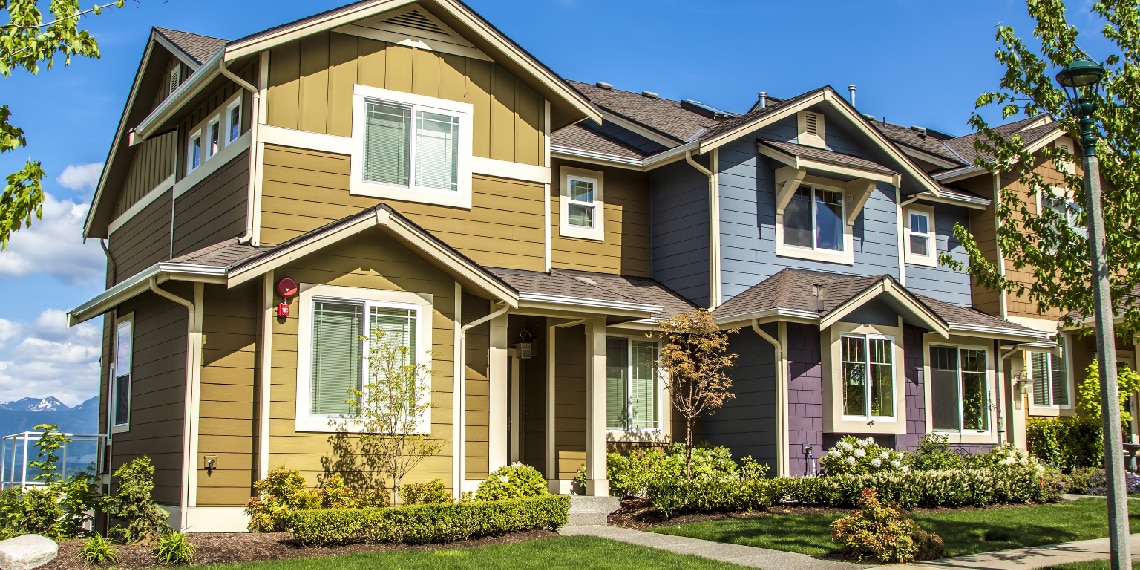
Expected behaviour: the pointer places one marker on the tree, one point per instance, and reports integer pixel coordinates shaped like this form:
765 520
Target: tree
27 42
391 408
1089 402
695 357
1046 243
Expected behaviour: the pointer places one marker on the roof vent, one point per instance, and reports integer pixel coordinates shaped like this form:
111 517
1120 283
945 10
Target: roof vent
869 117
604 85
817 297
650 95
416 21
920 130
762 99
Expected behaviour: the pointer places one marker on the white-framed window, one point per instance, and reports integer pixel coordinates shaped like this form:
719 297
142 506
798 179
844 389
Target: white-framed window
921 238
959 389
1065 206
1050 380
581 204
633 388
814 219
334 331
867 372
213 137
233 120
194 151
411 147
121 374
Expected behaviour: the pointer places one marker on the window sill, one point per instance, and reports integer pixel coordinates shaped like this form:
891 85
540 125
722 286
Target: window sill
1051 411
574 232
120 429
846 257
926 261
333 424
849 424
458 199
655 435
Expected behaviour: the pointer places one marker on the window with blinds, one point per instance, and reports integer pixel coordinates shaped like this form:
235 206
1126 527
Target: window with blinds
1050 380
632 389
411 146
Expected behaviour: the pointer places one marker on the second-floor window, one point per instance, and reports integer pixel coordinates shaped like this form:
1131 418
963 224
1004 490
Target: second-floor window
1067 209
233 121
121 374
214 134
194 153
813 219
921 240
581 204
213 138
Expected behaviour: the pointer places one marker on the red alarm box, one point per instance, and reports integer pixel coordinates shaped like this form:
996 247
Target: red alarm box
282 309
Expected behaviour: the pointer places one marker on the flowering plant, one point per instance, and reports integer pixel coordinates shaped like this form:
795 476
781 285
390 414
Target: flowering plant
852 455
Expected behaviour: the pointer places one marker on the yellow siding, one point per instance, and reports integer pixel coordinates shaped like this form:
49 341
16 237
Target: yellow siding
570 400
478 387
311 83
304 190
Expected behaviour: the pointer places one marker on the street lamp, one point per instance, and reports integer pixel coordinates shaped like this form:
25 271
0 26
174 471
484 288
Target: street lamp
1081 82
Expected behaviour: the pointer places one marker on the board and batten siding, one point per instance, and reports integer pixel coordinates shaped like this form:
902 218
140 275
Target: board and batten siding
153 162
680 226
747 423
371 260
228 412
305 189
311 87
940 281
625 249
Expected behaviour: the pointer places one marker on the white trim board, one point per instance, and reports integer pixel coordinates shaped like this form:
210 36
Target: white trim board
216 162
147 199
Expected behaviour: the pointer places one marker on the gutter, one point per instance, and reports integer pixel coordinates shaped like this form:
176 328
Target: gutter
251 203
587 302
782 455
194 85
714 223
138 283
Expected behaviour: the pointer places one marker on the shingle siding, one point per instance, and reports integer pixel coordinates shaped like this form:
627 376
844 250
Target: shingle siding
915 389
680 221
747 423
805 394
941 282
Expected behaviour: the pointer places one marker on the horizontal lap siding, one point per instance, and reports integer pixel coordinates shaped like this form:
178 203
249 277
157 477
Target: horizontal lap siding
152 163
213 210
680 226
143 240
477 387
374 261
311 85
625 249
570 401
942 282
304 190
747 423
229 401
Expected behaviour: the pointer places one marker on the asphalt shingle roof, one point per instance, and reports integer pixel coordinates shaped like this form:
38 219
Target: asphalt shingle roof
664 117
222 254
597 286
964 145
931 143
198 47
582 137
824 155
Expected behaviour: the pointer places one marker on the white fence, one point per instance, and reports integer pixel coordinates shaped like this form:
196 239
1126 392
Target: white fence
19 449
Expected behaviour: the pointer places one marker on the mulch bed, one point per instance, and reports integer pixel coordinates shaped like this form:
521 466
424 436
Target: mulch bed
228 548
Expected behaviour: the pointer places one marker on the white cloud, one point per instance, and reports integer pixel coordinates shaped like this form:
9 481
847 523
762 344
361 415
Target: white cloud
54 246
48 359
80 176
8 331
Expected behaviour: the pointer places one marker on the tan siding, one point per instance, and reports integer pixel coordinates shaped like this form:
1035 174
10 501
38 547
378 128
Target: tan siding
304 190
374 261
625 249
478 387
152 163
143 240
1023 306
570 400
213 210
311 83
982 227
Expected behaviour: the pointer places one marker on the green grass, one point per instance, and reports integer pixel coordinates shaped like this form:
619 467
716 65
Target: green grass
562 553
965 531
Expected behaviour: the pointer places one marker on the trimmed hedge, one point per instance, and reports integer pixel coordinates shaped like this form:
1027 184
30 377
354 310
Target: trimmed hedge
423 524
951 488
1066 443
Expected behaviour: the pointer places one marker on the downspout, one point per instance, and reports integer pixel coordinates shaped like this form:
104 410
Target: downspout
193 346
714 224
461 384
254 120
781 401
113 269
110 261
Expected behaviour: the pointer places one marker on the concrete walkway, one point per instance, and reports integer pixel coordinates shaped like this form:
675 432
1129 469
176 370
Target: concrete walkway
749 556
1026 558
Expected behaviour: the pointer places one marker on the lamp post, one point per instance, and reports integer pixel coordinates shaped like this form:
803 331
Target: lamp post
1081 82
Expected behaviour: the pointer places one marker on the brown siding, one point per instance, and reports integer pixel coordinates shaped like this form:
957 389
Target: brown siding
211 105
374 261
1023 306
983 228
570 400
625 249
153 162
157 391
228 411
311 83
143 240
304 190
214 209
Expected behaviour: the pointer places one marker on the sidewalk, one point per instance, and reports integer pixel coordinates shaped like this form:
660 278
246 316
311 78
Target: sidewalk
1025 558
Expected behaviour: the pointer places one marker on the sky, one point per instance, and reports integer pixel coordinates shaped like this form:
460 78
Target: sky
915 62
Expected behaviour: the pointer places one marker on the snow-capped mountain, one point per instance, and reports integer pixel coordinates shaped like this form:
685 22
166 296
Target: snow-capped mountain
48 404
24 414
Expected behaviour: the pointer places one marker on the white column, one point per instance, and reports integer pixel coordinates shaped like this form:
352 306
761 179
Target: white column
551 454
596 482
497 393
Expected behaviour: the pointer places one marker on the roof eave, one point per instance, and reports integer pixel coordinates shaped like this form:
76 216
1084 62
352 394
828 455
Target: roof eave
565 302
140 282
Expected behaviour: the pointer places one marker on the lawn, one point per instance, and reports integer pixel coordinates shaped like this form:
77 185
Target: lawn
964 531
568 553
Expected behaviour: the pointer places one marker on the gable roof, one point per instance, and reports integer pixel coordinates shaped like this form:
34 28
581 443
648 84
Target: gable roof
581 140
194 46
590 289
666 118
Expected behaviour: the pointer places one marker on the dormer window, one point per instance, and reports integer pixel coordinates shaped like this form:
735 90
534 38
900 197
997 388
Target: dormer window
812 129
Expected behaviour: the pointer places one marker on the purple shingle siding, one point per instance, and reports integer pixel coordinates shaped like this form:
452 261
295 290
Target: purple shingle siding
915 390
805 394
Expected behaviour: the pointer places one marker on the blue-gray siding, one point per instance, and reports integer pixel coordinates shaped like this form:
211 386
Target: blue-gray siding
680 217
747 423
941 282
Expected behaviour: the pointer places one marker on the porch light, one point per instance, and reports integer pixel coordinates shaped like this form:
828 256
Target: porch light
526 345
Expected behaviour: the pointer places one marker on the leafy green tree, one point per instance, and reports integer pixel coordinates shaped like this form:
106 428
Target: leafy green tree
29 42
1089 402
1047 243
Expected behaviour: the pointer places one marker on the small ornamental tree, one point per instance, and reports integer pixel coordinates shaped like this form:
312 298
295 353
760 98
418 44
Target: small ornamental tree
1089 402
694 355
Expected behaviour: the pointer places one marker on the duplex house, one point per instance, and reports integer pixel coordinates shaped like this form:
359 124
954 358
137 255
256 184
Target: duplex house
404 166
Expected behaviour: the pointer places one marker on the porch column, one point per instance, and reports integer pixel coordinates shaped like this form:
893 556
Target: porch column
596 483
497 395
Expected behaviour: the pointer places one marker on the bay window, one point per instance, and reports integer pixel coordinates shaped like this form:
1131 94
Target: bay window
1050 380
959 391
868 376
814 219
632 389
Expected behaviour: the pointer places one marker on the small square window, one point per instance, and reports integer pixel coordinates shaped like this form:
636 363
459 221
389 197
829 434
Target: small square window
194 152
233 121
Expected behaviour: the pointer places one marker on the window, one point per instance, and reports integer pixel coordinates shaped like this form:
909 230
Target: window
582 209
813 219
213 138
194 153
868 376
921 239
581 204
1050 380
959 393
233 121
632 399
121 375
412 147
1066 208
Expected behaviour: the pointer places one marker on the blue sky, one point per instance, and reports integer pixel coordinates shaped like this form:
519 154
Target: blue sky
915 63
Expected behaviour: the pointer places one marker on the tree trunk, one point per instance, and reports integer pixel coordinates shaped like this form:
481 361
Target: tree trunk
688 447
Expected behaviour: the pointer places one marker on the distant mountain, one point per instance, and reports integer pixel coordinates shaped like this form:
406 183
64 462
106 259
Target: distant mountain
26 413
48 404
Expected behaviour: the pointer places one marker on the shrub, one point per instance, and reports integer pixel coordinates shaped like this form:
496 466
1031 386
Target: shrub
1066 443
433 492
421 524
1098 483
61 508
934 454
279 495
139 518
856 456
882 533
97 550
629 476
675 495
1079 480
510 482
174 548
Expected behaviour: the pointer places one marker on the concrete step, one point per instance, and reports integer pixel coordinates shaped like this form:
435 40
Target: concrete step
590 511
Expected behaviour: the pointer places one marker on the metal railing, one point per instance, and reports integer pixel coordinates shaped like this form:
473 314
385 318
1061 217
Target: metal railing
19 449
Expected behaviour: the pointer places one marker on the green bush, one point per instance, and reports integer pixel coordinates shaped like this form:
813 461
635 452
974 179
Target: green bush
61 508
1066 443
510 482
433 492
98 550
422 524
1079 480
285 491
137 517
174 548
630 475
852 455
677 494
881 533
934 454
